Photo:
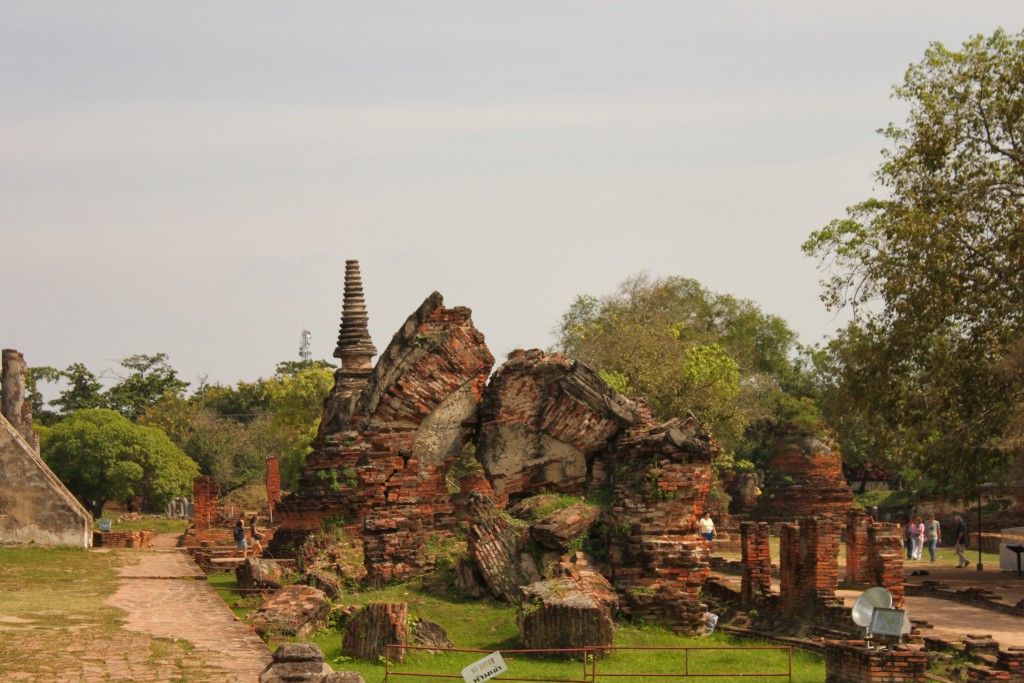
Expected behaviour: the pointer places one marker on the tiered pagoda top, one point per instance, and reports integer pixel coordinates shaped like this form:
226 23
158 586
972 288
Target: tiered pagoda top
355 348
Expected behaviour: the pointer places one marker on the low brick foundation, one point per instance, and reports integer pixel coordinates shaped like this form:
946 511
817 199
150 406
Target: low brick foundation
122 539
850 662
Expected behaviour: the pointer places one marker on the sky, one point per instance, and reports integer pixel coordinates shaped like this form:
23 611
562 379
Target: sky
190 177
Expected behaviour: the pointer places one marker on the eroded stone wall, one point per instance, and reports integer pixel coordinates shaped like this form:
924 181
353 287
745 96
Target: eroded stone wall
35 506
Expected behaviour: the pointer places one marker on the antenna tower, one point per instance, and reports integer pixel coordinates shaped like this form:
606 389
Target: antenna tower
305 352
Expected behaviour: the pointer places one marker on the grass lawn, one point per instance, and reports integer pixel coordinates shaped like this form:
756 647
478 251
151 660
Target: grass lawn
491 626
159 524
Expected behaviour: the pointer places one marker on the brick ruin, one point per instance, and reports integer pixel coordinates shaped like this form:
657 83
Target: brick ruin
390 433
804 479
35 506
273 484
809 566
874 555
756 565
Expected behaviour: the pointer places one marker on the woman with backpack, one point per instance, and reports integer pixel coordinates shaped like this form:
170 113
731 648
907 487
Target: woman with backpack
256 536
238 533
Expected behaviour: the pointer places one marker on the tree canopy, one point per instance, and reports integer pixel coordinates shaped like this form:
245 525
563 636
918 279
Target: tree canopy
684 348
929 371
101 455
149 379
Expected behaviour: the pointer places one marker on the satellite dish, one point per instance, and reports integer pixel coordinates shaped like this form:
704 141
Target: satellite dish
864 609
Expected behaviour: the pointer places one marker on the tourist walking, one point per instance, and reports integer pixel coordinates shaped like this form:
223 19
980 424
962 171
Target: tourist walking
707 527
256 536
238 533
932 535
918 531
908 537
960 543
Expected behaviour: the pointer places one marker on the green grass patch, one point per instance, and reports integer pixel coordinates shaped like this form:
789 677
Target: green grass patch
160 525
226 585
491 626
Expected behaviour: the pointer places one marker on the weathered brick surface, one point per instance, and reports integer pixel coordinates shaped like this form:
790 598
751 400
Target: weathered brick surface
858 564
804 479
374 627
809 566
575 609
659 476
850 662
205 492
122 539
543 419
273 483
756 564
885 556
384 472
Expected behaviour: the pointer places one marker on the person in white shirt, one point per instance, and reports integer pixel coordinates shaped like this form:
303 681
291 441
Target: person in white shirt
707 527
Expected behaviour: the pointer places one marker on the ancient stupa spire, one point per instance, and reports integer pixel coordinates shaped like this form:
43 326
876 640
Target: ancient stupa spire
355 348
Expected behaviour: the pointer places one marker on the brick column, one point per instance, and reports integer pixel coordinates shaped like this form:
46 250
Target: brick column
789 567
756 577
886 559
205 491
858 564
809 565
273 484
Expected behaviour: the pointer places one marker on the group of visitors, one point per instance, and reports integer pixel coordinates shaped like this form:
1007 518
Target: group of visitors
241 542
918 534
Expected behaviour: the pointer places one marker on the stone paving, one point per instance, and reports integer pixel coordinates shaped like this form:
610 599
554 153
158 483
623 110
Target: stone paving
165 595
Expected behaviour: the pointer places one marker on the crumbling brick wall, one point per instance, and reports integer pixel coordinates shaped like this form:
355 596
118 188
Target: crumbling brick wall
809 565
122 539
543 419
383 472
858 556
273 483
756 564
885 555
850 662
205 492
804 479
659 478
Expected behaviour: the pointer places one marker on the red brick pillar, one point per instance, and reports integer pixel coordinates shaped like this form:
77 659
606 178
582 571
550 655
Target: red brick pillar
789 567
821 566
886 559
858 565
756 577
273 484
205 491
809 564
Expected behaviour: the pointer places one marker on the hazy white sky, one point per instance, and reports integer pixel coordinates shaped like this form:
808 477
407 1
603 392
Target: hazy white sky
189 177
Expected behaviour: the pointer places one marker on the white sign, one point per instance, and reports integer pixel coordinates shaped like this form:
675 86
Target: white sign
485 669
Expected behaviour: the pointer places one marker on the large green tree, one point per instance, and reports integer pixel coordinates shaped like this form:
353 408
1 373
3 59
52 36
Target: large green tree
933 272
101 455
149 379
684 348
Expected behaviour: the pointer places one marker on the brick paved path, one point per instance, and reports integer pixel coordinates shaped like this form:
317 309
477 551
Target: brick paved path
163 597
